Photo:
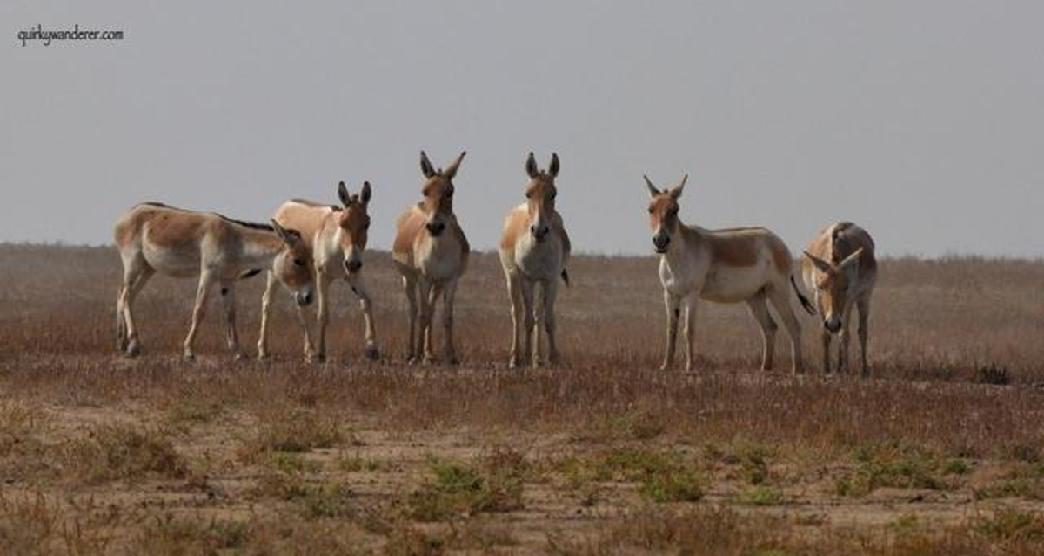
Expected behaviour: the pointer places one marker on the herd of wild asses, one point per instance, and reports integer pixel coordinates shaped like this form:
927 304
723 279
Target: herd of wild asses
309 244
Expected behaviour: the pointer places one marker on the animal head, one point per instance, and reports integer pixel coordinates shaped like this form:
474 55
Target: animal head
663 213
438 193
293 265
540 196
833 282
354 223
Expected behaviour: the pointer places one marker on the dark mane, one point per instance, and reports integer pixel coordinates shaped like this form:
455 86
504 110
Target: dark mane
154 204
314 204
252 225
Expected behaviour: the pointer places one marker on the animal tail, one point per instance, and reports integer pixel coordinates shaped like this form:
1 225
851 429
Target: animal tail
801 297
565 277
250 273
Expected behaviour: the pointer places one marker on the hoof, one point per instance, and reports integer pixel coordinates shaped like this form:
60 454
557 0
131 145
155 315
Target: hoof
189 356
133 349
372 353
238 356
263 356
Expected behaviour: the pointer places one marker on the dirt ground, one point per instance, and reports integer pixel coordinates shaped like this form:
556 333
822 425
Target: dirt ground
939 451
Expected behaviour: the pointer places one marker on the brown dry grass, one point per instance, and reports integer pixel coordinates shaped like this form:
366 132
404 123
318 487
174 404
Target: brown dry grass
939 453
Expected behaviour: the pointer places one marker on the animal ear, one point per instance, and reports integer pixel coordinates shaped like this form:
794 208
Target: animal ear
677 191
451 170
652 188
851 261
531 166
822 265
342 194
289 237
553 168
366 193
426 167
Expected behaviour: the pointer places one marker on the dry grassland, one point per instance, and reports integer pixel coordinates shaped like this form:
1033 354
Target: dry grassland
940 452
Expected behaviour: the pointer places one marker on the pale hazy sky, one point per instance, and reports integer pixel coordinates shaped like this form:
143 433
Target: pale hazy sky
921 121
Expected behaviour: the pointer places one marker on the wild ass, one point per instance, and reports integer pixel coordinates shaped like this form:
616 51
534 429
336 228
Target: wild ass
840 269
431 253
337 238
751 265
153 237
534 249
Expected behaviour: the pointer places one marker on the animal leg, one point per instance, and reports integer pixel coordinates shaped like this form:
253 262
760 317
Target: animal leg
447 321
198 311
691 307
309 350
826 351
759 310
864 331
355 280
672 304
842 364
781 302
538 322
228 297
517 308
550 293
266 310
322 317
135 277
427 310
409 287
530 321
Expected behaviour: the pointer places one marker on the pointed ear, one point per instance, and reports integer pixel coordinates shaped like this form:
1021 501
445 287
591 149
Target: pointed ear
677 191
851 262
531 166
342 194
289 237
426 167
652 188
451 170
553 168
820 264
366 193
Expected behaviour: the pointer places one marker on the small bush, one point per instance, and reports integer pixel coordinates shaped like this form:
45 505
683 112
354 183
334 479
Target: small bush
761 495
992 374
462 489
113 452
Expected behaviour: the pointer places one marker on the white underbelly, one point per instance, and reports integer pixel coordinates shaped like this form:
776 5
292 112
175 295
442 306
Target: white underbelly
171 262
732 285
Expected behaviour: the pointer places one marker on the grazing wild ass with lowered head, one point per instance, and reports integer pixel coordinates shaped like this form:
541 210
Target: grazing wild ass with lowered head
153 237
534 249
840 269
751 265
431 253
337 239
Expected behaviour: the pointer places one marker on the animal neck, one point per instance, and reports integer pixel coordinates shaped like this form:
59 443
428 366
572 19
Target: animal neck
679 248
260 246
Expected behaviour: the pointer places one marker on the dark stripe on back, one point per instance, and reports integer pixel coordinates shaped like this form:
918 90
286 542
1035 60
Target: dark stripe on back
252 225
314 204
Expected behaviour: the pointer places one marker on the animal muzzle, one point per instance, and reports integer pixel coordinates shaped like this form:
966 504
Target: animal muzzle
539 232
435 228
352 265
303 298
660 242
832 325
